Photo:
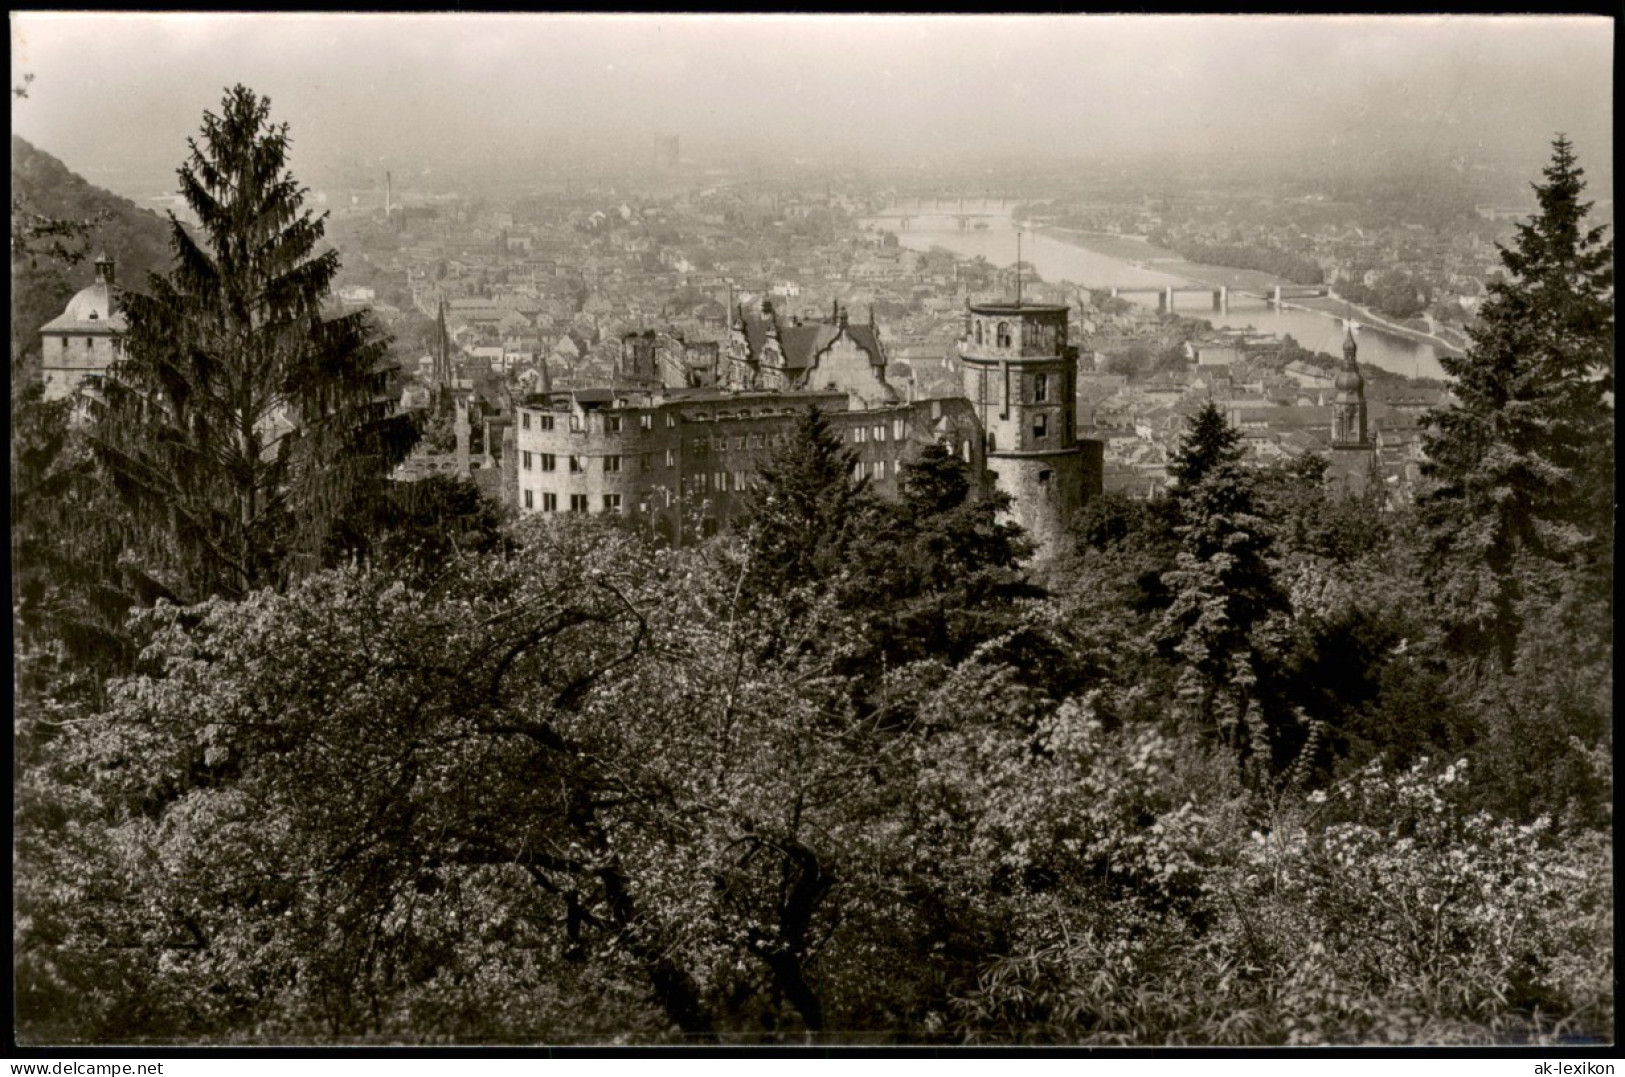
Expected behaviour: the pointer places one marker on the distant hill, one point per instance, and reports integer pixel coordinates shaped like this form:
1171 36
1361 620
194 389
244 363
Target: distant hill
136 239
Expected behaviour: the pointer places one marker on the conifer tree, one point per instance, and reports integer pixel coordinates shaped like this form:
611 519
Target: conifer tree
1523 458
1222 589
801 518
1210 442
243 420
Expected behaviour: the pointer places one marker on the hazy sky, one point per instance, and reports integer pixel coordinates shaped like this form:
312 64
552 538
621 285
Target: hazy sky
120 93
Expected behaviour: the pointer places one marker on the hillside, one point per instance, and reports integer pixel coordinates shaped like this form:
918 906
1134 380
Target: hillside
137 239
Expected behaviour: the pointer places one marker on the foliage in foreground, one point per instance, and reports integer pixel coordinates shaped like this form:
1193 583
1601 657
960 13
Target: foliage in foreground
567 793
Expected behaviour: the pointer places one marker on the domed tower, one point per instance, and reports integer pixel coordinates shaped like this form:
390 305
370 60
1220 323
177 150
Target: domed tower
1353 462
1348 407
1021 375
78 346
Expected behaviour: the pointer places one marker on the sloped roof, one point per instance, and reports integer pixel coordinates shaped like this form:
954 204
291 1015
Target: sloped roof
802 344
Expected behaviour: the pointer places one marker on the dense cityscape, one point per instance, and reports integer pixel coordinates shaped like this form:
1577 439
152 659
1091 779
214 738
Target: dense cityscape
668 589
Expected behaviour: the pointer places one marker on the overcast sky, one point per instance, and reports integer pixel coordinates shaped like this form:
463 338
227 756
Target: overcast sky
120 93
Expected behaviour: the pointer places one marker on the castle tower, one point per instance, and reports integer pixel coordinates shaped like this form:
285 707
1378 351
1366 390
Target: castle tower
1021 377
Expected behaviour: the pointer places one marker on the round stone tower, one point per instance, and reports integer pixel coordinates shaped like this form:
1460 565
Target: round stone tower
1022 375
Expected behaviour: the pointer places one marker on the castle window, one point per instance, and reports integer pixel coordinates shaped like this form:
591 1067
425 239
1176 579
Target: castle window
1040 426
671 458
524 423
1040 387
545 421
525 464
549 462
529 500
612 424
646 422
550 502
1003 335
1043 477
575 465
991 445
671 421
612 502
612 465
978 331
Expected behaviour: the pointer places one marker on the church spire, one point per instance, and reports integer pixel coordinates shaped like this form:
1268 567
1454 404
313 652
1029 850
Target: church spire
442 355
1349 414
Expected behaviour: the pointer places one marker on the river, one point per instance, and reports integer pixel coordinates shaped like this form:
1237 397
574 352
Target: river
1059 258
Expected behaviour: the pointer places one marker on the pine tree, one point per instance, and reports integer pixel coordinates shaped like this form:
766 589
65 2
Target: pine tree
243 421
1209 443
1523 459
802 516
1223 588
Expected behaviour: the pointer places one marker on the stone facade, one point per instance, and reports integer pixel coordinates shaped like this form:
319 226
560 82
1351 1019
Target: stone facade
79 346
680 461
1020 376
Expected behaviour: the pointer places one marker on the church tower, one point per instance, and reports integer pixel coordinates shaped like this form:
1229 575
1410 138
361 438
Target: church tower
1021 375
1354 456
442 354
1348 407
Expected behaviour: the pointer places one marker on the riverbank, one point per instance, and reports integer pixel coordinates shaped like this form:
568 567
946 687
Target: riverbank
1145 254
1334 307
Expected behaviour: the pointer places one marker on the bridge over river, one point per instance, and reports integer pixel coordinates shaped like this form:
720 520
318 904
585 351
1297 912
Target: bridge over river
1221 295
965 219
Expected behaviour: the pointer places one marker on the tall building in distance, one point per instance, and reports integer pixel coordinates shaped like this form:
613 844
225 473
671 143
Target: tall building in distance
1020 375
1354 454
1348 407
667 155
